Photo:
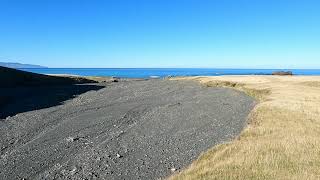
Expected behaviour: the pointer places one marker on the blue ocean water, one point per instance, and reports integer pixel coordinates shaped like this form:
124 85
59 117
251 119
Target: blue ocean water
164 72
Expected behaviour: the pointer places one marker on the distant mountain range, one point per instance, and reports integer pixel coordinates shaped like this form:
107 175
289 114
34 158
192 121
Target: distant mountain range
19 65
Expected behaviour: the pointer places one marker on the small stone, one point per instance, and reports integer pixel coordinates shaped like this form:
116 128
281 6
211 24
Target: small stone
173 169
119 156
70 139
73 171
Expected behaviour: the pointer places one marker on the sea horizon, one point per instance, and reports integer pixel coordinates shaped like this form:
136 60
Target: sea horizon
165 72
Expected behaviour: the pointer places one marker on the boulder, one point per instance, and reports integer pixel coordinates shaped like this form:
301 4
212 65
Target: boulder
282 73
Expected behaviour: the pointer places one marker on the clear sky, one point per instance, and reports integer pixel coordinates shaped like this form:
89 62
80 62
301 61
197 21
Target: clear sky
161 33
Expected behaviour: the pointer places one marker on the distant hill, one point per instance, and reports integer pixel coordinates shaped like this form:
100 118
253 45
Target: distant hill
19 65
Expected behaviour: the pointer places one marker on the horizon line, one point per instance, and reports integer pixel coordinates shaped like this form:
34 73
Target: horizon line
170 68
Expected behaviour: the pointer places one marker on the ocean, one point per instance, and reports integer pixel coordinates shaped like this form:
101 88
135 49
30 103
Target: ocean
164 72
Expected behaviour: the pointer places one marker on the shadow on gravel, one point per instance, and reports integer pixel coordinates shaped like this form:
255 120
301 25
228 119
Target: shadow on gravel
22 99
10 78
22 91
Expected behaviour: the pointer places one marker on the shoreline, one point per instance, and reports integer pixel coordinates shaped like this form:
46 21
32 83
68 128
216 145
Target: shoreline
288 108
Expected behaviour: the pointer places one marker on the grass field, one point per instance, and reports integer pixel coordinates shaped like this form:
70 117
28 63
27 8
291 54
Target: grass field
282 139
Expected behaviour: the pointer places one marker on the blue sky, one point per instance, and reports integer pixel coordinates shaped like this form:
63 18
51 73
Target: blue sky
161 33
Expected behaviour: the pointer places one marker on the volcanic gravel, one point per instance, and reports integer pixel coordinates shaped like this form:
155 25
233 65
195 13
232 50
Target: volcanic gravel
123 130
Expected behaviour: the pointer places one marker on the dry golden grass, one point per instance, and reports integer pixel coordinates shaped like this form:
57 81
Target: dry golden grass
282 140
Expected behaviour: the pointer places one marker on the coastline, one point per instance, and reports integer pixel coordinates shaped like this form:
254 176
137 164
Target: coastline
281 140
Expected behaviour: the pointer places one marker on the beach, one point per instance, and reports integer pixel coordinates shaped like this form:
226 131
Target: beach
201 127
152 90
131 129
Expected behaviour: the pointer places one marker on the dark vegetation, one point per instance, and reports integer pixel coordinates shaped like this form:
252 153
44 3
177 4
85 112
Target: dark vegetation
16 78
22 91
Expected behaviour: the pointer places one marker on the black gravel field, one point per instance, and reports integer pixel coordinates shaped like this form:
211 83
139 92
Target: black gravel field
144 129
